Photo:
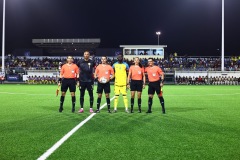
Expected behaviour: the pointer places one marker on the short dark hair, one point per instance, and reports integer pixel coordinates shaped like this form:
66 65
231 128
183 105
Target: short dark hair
86 51
150 59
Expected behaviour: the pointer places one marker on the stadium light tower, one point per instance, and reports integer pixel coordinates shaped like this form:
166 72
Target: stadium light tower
158 34
222 66
3 38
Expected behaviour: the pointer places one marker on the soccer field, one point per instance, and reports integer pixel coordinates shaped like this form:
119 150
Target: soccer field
202 122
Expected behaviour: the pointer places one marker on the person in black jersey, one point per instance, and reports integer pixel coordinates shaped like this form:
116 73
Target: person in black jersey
86 79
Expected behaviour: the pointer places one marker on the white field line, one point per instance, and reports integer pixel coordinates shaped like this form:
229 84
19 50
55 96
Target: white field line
213 89
29 94
165 95
196 95
68 135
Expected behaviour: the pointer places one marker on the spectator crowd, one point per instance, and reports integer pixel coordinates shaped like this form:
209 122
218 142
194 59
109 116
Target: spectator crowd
205 80
170 64
42 79
20 65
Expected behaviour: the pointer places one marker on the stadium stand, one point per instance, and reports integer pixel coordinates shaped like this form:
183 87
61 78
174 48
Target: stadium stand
201 80
19 66
178 63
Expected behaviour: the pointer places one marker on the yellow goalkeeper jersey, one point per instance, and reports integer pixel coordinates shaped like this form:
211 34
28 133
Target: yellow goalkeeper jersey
120 73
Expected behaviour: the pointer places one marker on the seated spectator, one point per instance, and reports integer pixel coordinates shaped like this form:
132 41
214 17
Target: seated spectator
206 80
235 81
199 80
193 80
2 79
42 79
218 80
190 80
211 80
183 80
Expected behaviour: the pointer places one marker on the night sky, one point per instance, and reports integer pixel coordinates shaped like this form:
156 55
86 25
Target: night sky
191 27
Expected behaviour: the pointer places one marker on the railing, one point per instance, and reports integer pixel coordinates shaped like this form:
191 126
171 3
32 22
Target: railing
24 70
170 70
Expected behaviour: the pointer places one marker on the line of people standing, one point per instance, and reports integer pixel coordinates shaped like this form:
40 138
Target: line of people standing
81 75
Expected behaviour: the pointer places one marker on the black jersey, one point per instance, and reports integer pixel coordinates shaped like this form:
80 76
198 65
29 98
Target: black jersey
86 70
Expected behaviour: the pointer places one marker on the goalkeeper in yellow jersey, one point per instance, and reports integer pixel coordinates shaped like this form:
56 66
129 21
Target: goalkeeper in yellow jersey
120 85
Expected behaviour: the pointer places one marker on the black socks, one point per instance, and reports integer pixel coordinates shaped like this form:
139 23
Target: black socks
139 103
162 104
91 102
132 103
98 103
81 101
73 103
108 103
150 104
61 103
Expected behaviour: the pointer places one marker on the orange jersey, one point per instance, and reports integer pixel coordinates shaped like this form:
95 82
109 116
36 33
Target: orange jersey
154 73
104 71
136 72
69 71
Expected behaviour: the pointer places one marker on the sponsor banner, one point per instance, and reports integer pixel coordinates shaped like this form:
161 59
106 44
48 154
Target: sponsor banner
2 74
13 77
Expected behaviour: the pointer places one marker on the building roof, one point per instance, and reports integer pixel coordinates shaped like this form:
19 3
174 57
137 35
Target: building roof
67 45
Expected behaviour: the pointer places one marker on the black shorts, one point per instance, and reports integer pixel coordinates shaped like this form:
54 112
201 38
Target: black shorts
154 87
68 83
103 86
136 85
86 85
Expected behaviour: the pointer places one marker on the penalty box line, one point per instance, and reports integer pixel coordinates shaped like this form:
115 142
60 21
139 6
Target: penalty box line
68 135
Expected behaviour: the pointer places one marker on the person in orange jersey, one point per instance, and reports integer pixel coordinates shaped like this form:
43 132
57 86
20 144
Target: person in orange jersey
68 76
104 73
156 78
137 76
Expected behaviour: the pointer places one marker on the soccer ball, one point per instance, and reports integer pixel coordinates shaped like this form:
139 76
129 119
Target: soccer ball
103 80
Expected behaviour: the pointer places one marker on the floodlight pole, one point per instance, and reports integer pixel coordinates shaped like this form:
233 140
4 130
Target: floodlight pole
3 38
158 34
222 66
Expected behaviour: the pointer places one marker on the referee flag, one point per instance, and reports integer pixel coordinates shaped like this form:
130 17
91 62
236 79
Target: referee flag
57 91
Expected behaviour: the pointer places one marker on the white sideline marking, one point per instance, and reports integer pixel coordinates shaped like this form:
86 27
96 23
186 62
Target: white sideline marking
216 89
27 94
201 95
166 95
196 95
69 134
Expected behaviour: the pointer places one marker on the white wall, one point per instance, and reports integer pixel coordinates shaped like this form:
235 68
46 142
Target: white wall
40 73
209 73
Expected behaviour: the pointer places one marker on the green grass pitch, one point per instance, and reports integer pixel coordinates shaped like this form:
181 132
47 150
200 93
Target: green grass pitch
202 122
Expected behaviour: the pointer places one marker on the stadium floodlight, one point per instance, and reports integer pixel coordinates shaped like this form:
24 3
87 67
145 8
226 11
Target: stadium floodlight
158 34
3 39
